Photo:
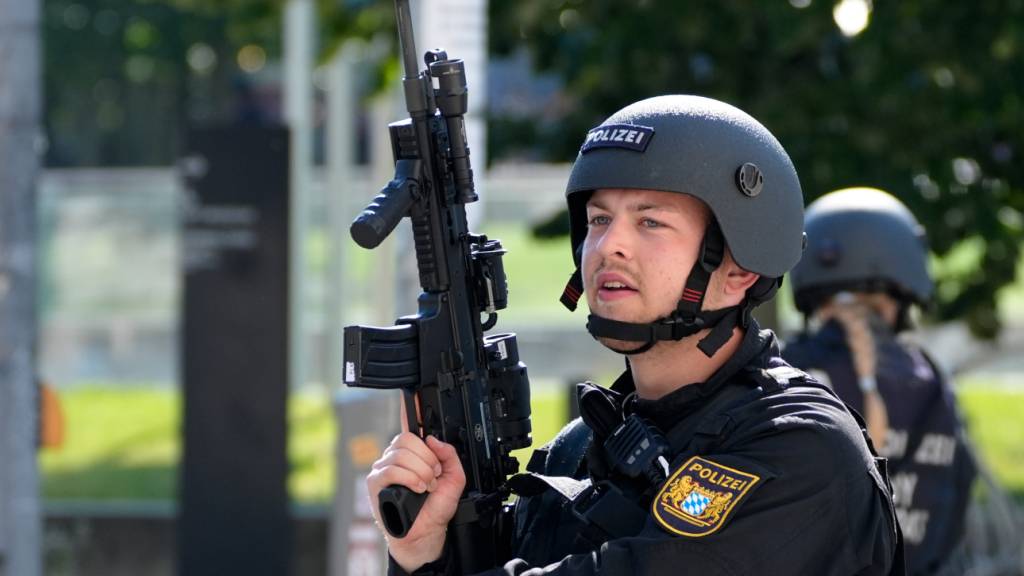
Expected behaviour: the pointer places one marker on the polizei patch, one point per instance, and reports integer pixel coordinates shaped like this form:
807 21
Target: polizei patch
625 136
699 497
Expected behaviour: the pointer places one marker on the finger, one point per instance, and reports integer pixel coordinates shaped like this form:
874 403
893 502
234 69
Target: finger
404 418
410 441
448 458
419 415
379 479
393 445
413 443
404 458
411 418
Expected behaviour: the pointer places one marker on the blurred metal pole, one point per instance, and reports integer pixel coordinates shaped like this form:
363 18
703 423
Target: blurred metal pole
391 288
341 111
20 140
366 420
299 34
460 27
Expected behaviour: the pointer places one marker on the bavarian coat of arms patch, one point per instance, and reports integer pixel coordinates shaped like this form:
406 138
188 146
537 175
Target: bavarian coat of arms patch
698 498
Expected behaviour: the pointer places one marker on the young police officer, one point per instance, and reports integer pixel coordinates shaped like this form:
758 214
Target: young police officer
709 455
865 266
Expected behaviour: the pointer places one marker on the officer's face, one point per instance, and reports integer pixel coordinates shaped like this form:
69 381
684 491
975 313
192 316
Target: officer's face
640 247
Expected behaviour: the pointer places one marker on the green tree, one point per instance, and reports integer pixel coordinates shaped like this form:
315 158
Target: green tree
926 102
124 76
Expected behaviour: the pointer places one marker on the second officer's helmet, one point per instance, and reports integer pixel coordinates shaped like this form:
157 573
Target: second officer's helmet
861 240
712 151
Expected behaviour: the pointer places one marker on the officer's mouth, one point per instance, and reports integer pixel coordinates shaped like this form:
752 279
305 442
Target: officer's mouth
612 286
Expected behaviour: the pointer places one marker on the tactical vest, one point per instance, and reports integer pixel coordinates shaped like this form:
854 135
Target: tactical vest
570 504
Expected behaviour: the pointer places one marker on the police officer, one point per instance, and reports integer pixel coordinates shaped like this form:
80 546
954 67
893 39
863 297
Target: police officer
865 267
708 455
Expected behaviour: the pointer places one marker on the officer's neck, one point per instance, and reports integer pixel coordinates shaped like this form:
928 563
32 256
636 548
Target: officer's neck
671 365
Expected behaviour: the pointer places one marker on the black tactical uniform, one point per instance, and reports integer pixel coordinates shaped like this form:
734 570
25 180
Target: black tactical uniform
929 465
759 470
865 241
769 474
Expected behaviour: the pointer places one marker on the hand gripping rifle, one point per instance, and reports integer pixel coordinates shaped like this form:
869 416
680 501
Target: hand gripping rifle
460 385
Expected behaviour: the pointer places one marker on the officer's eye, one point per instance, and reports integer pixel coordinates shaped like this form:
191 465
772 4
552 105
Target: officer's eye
648 223
599 220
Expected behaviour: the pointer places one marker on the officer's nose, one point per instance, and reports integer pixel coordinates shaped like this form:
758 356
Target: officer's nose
616 240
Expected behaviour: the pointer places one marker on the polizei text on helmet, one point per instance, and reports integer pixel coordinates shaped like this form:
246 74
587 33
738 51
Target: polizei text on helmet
626 136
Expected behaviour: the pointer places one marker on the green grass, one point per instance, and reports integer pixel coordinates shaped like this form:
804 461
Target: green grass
994 421
537 272
123 443
119 443
311 436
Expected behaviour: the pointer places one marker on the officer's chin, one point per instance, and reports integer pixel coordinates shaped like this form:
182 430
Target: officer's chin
622 346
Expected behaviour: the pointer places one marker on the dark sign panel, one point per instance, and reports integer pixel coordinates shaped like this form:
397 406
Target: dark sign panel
233 493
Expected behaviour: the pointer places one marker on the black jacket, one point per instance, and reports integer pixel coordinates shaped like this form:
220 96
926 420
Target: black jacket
769 474
930 466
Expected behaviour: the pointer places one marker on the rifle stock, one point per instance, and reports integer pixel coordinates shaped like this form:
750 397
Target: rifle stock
461 385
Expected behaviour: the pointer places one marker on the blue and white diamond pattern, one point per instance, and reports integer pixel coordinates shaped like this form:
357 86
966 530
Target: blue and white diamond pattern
695 503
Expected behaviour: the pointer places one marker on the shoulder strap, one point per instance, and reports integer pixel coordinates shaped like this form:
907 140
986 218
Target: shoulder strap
564 455
555 465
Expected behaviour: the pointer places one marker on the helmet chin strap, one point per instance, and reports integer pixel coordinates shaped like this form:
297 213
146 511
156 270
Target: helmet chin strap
673 327
686 320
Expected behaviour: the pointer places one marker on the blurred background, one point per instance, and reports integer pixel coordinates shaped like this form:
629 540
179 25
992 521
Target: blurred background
921 98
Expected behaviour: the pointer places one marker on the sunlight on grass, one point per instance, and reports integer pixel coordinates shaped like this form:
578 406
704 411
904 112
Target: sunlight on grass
537 272
311 436
994 423
120 443
123 444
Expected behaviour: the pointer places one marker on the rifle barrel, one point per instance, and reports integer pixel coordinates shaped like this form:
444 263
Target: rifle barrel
405 39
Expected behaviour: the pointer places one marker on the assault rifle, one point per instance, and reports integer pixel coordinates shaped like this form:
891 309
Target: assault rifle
462 386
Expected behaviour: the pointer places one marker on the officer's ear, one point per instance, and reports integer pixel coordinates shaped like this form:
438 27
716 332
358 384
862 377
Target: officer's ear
733 281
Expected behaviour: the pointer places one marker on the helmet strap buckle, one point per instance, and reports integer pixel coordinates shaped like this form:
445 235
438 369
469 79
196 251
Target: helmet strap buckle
683 326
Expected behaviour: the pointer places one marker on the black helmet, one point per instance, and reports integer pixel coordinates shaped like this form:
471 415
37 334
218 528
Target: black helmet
718 154
861 239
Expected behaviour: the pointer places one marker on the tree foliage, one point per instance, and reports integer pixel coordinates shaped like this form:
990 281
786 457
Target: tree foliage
120 84
927 102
